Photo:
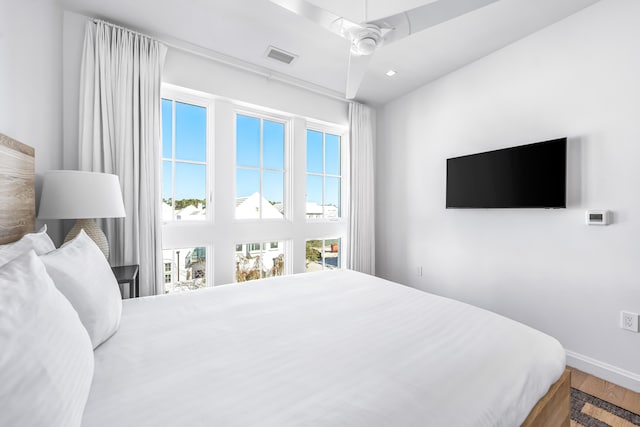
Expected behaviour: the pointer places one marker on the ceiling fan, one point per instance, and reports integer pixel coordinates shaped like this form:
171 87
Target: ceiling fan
367 37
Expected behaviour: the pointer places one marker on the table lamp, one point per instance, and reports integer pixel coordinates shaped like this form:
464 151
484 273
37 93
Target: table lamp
83 196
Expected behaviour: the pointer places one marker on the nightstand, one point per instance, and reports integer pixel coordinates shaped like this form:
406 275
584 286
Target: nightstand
128 274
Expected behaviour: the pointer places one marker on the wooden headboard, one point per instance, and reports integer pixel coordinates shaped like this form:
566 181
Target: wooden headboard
17 189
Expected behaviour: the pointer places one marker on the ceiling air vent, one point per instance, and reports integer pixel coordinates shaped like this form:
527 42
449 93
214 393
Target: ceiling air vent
280 55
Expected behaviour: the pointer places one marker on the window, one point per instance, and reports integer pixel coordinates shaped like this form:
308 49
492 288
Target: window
186 269
324 175
260 160
245 167
167 272
184 161
259 260
323 254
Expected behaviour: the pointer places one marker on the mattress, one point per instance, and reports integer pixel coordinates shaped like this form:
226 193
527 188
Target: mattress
335 348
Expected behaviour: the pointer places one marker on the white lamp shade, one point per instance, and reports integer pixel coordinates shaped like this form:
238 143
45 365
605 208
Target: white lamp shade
78 195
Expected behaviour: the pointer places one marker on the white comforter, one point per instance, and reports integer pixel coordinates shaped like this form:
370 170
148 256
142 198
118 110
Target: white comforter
322 349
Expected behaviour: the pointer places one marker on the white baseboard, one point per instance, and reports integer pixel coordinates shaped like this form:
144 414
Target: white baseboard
605 371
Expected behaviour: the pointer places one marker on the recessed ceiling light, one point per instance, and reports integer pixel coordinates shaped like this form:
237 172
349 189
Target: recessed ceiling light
391 73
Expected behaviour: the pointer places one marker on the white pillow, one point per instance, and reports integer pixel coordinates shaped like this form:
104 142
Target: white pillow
81 272
46 359
39 242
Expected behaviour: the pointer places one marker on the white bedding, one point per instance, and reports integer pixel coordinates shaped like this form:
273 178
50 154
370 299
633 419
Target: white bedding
335 348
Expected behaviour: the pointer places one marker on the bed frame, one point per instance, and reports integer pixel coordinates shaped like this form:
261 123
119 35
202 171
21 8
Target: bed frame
554 407
17 217
17 189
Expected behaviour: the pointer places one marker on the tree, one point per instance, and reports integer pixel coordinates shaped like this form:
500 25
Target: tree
312 252
183 203
248 268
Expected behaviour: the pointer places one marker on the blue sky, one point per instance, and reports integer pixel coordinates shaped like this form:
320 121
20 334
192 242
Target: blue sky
190 134
331 167
191 143
248 155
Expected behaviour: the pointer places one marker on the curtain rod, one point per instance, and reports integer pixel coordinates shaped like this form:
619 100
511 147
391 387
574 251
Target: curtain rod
120 27
234 62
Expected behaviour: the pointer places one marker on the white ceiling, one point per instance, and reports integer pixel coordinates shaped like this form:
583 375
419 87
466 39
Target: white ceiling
243 29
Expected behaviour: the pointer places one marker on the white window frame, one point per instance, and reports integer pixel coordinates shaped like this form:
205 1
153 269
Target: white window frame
191 229
185 97
286 190
342 134
221 231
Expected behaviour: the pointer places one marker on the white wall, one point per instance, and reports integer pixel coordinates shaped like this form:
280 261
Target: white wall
195 72
578 78
30 81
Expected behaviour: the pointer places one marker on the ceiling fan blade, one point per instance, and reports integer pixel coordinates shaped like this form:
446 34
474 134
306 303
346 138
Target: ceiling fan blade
423 17
330 21
357 68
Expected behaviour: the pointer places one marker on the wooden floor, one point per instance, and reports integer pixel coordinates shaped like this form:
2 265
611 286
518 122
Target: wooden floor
605 390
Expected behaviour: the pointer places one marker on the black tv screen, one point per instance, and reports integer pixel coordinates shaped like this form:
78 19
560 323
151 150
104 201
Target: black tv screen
527 176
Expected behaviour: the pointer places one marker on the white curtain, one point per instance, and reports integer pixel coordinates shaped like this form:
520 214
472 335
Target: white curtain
362 242
120 133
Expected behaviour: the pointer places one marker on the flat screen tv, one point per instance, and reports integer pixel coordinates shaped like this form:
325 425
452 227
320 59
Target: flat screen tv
527 176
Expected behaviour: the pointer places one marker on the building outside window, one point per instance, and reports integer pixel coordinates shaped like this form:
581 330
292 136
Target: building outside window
187 269
168 272
259 260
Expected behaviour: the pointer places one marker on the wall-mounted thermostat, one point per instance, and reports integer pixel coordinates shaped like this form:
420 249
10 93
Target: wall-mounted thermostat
598 217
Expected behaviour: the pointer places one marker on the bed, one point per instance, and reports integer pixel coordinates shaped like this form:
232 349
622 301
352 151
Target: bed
336 348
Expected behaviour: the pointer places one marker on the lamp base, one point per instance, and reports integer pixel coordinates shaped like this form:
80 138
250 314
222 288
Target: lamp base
90 226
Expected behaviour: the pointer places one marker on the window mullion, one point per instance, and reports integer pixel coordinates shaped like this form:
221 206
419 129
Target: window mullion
173 159
261 163
273 170
191 162
263 247
324 177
